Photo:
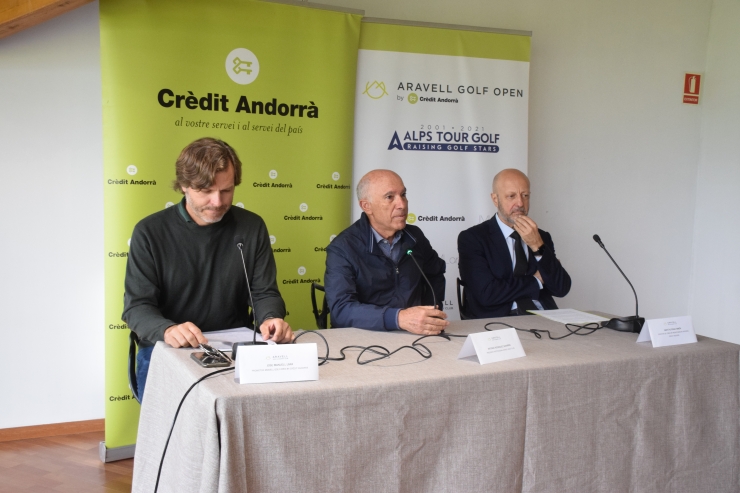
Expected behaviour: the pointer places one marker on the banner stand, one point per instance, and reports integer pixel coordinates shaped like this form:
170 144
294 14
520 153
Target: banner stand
117 453
446 107
285 106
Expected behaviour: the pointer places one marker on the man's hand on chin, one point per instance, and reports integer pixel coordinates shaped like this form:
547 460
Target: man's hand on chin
276 329
527 229
422 320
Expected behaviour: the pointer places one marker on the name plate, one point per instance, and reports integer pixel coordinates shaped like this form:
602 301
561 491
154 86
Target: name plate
493 346
668 331
277 363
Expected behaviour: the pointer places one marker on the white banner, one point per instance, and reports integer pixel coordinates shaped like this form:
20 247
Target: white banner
446 109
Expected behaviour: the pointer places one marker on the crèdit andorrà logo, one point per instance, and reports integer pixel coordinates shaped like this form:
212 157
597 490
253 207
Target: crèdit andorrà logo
242 66
375 89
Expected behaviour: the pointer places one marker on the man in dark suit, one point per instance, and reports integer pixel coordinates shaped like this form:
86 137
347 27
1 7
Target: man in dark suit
507 264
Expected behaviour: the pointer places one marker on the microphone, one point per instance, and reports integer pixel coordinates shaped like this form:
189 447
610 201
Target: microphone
239 241
624 324
410 253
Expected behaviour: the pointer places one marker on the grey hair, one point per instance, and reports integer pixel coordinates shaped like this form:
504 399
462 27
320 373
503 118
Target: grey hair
362 187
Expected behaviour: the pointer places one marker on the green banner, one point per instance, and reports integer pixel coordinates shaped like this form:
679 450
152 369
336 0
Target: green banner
274 81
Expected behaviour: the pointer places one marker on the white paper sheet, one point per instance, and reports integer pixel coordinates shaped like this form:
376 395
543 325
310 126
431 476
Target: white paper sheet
569 316
224 339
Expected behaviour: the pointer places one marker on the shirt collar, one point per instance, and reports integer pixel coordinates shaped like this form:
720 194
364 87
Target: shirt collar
505 228
184 212
379 238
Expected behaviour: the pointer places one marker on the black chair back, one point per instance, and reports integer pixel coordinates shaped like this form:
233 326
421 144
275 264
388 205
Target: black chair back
461 300
323 314
133 341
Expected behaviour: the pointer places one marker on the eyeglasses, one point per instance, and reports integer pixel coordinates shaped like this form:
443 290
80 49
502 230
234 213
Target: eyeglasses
217 355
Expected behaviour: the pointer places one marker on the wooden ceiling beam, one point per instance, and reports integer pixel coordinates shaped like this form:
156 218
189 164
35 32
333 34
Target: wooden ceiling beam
17 15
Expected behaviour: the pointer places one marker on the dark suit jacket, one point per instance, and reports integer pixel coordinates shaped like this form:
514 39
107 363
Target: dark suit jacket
486 270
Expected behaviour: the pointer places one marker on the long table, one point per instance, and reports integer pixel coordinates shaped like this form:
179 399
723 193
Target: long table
597 413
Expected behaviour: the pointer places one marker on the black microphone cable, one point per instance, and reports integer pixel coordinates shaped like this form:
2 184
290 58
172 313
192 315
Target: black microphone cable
174 420
326 343
591 328
382 352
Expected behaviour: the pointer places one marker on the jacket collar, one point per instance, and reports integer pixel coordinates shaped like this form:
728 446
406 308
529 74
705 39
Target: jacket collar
495 231
407 239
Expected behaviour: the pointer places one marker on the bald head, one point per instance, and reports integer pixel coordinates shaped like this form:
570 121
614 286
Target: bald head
507 175
374 176
511 195
382 197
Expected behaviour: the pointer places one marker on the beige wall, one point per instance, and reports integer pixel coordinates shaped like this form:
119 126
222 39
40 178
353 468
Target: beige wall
715 284
51 252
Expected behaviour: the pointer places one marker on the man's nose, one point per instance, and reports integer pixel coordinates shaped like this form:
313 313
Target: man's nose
216 199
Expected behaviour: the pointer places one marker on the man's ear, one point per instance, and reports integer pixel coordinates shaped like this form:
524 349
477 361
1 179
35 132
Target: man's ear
366 207
494 197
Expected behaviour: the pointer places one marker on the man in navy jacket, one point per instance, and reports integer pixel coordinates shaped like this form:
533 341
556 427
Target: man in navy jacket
494 286
371 280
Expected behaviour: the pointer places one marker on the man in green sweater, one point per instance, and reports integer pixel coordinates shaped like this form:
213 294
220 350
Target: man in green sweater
184 275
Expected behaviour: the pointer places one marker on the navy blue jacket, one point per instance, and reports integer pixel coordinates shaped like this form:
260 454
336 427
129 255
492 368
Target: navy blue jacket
486 270
366 289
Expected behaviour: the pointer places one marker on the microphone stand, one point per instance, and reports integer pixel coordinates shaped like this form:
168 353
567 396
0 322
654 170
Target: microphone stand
410 253
254 342
623 324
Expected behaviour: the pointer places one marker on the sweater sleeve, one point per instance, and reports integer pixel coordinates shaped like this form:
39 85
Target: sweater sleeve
141 292
269 303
